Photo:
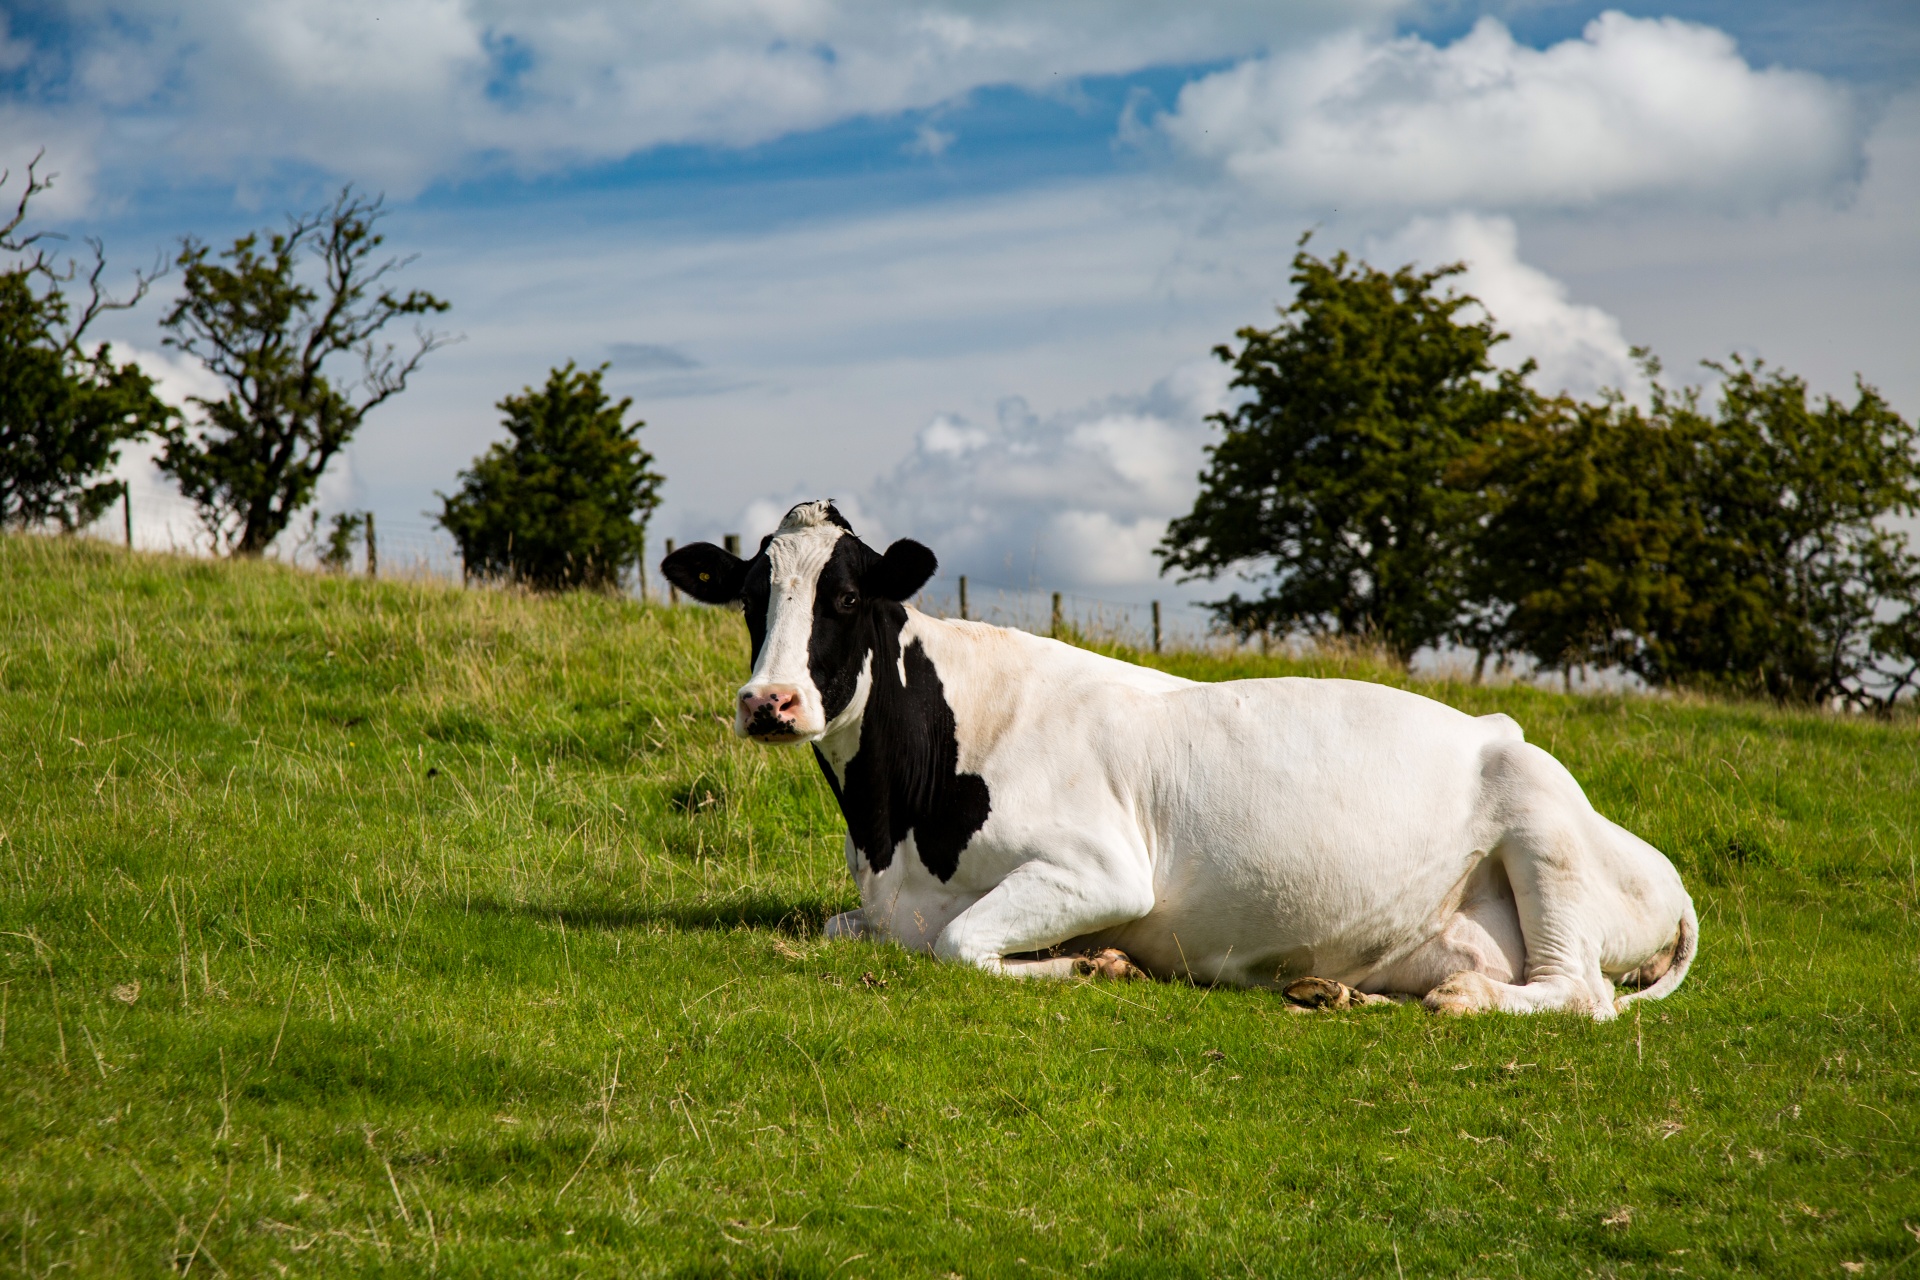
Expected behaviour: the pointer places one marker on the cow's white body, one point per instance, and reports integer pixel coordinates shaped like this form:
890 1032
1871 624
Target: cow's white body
1255 831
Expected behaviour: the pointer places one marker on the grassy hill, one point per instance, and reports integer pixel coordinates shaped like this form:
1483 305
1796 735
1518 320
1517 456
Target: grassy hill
380 927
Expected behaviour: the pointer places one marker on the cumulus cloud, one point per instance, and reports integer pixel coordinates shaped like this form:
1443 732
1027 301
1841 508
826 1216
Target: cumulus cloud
1077 499
1081 499
403 92
1579 348
1634 108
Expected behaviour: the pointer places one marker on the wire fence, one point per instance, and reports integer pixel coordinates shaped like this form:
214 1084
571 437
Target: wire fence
1148 624
152 519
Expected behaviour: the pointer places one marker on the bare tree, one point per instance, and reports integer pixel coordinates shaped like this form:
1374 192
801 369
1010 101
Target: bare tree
252 465
64 410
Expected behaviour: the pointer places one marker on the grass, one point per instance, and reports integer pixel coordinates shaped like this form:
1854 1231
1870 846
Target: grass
389 928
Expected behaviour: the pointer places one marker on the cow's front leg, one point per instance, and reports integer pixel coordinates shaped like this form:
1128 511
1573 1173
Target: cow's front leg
1042 904
848 924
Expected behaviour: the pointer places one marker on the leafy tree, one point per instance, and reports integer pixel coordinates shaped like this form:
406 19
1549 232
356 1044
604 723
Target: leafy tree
1746 549
274 339
565 502
1589 514
1331 477
64 410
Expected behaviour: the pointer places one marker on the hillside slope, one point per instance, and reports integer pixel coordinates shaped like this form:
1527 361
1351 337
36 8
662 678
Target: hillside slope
380 927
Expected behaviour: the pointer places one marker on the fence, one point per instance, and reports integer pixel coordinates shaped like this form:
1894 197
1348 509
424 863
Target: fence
1140 624
153 519
157 520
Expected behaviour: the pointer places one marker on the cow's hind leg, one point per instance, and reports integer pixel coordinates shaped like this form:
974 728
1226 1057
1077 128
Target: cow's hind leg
1550 865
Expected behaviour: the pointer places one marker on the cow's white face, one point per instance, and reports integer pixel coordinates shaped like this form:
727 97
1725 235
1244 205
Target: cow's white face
813 596
780 701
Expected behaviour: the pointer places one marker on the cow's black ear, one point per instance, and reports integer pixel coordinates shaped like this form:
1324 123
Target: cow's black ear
901 572
708 573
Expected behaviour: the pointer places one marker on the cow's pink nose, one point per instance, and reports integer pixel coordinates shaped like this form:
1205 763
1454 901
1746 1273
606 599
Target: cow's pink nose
770 710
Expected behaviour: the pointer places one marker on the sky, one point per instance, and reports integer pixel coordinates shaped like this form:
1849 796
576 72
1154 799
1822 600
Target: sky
962 266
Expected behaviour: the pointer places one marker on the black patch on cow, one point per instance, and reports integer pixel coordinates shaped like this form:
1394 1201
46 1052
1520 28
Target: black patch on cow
906 775
847 617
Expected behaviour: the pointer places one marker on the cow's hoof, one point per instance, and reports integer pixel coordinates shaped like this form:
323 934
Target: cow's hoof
1462 993
1325 993
1111 963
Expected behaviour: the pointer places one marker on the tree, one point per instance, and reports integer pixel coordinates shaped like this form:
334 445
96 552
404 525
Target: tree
1589 516
274 338
565 502
64 410
1331 477
1745 549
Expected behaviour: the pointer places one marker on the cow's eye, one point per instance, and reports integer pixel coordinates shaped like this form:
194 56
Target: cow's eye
849 601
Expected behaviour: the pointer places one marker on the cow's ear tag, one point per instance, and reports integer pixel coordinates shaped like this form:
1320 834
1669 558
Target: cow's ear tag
706 577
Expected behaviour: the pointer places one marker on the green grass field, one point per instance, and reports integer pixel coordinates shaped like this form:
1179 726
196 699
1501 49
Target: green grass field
390 928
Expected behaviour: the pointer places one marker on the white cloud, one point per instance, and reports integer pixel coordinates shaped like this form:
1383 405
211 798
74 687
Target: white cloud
399 93
65 144
1077 499
1579 348
1635 108
929 141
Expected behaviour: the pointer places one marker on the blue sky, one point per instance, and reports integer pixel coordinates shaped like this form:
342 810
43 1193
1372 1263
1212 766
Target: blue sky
961 265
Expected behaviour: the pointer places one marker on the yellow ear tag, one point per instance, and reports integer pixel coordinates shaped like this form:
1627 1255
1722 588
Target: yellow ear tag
705 577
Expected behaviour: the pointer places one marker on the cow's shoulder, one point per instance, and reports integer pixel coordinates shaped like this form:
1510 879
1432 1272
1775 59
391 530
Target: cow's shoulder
1002 684
907 777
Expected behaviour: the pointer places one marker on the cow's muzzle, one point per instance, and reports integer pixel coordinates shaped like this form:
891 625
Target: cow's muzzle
770 714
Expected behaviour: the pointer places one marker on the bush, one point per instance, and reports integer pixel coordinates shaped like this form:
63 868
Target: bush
1745 550
565 502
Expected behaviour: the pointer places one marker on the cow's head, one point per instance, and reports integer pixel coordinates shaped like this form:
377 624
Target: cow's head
816 598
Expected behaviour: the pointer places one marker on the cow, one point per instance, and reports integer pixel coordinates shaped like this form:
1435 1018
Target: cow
1036 810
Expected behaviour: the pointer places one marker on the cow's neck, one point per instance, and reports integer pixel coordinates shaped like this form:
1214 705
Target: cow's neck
892 755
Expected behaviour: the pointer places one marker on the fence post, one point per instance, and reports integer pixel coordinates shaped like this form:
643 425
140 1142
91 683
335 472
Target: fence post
126 510
642 562
1156 626
732 543
673 592
963 597
373 550
1059 619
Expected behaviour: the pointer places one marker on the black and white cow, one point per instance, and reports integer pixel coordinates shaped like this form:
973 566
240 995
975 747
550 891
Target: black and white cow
1019 804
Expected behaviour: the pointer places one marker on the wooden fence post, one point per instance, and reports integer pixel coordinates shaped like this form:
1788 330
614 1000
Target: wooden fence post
963 597
1156 626
1059 619
373 550
126 510
673 592
732 543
